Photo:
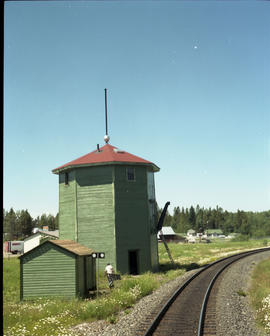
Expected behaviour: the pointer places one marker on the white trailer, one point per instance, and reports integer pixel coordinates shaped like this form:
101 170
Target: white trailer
16 247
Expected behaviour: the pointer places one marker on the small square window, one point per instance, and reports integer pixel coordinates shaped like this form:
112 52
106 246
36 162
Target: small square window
66 179
131 174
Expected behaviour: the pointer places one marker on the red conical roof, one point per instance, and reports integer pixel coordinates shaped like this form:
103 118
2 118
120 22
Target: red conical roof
106 155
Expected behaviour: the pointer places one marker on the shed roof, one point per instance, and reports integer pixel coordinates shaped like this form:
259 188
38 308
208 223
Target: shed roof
107 154
32 236
167 230
211 231
72 246
66 244
54 234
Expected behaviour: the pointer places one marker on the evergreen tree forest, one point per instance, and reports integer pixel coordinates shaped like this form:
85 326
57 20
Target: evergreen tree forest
252 224
19 225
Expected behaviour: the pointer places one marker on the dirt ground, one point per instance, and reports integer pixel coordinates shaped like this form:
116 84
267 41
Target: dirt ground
10 255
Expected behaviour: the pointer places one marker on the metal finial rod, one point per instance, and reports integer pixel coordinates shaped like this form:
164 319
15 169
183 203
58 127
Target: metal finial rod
106 119
106 138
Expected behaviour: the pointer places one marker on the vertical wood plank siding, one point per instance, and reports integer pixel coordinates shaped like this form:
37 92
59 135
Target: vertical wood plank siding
96 210
67 207
154 252
153 220
132 218
113 215
80 276
48 271
90 273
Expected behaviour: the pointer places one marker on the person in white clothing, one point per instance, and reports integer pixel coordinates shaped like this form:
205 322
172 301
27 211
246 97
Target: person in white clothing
109 272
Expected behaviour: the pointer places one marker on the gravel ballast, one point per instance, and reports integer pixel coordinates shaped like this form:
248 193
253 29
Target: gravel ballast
128 324
234 315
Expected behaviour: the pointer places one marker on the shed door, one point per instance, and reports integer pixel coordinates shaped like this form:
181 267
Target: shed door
90 273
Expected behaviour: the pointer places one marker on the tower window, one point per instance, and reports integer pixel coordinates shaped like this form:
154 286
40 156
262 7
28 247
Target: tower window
130 174
66 179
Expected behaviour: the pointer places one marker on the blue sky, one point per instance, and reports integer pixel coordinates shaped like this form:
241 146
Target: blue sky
188 89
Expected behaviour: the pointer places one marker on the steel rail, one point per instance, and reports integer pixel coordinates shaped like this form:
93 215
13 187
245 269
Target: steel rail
167 305
208 291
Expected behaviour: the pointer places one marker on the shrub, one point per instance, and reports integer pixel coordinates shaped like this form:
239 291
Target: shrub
241 237
265 242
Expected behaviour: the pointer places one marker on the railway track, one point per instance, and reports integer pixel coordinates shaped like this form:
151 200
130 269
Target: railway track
191 309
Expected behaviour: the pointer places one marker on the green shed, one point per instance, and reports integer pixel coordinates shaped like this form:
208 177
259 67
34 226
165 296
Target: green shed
107 202
57 268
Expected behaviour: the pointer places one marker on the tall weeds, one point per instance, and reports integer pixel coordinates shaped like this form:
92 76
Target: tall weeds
260 294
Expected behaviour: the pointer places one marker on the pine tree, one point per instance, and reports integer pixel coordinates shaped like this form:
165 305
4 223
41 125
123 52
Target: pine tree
176 218
192 217
26 223
10 224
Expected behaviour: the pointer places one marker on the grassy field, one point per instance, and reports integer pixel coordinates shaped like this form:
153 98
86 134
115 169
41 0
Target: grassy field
260 294
54 316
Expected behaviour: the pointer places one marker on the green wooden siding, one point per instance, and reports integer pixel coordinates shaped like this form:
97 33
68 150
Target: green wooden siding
48 271
90 272
102 210
67 207
86 275
154 252
80 274
153 220
132 218
96 210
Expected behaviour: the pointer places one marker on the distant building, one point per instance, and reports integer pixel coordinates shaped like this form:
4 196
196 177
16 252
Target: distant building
191 233
35 239
191 236
168 234
213 233
233 235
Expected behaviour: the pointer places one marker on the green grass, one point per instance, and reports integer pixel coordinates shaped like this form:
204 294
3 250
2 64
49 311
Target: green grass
260 294
189 256
54 316
11 278
240 292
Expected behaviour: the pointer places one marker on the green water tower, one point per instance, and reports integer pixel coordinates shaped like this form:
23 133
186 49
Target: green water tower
107 203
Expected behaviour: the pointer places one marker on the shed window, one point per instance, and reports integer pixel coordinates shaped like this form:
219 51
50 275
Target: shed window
131 174
66 179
